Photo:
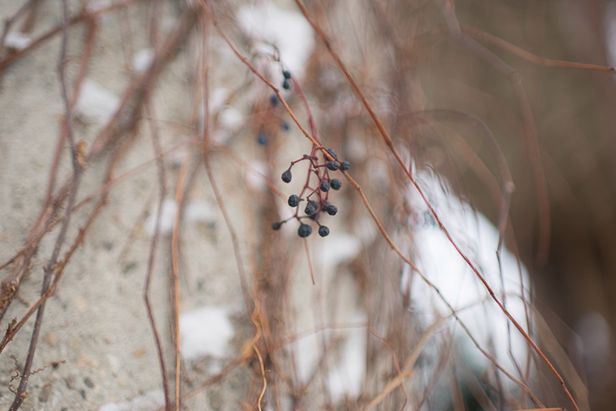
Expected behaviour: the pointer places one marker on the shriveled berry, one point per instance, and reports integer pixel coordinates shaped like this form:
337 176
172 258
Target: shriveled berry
274 100
286 176
304 230
335 184
286 74
293 200
286 85
332 152
324 186
262 139
331 209
323 231
311 208
345 165
276 226
332 165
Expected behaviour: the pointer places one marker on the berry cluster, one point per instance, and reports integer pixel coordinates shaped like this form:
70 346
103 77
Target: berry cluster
315 193
274 102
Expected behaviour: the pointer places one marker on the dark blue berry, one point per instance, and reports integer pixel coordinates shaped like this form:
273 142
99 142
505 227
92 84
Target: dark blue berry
323 231
286 85
274 100
286 176
285 126
311 208
335 184
332 152
293 200
304 230
276 226
331 209
286 74
333 165
345 166
324 186
262 139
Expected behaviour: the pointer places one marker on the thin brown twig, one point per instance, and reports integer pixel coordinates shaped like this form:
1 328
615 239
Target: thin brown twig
8 22
206 141
162 186
379 224
175 277
407 370
86 14
262 368
43 223
531 57
20 395
124 121
530 134
59 268
389 143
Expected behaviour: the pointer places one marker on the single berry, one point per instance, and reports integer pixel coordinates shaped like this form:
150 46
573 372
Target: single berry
324 186
274 100
331 209
286 74
332 152
286 85
293 200
262 139
323 231
286 176
276 226
333 165
345 165
304 230
311 208
285 126
335 184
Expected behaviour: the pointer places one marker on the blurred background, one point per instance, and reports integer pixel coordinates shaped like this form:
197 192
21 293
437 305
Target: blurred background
503 111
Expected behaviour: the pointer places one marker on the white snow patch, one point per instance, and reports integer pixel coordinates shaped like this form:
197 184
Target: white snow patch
307 351
440 262
17 41
231 118
142 59
221 137
215 367
114 363
205 331
287 29
218 97
200 212
96 103
149 401
98 5
195 212
335 250
167 218
255 175
346 377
